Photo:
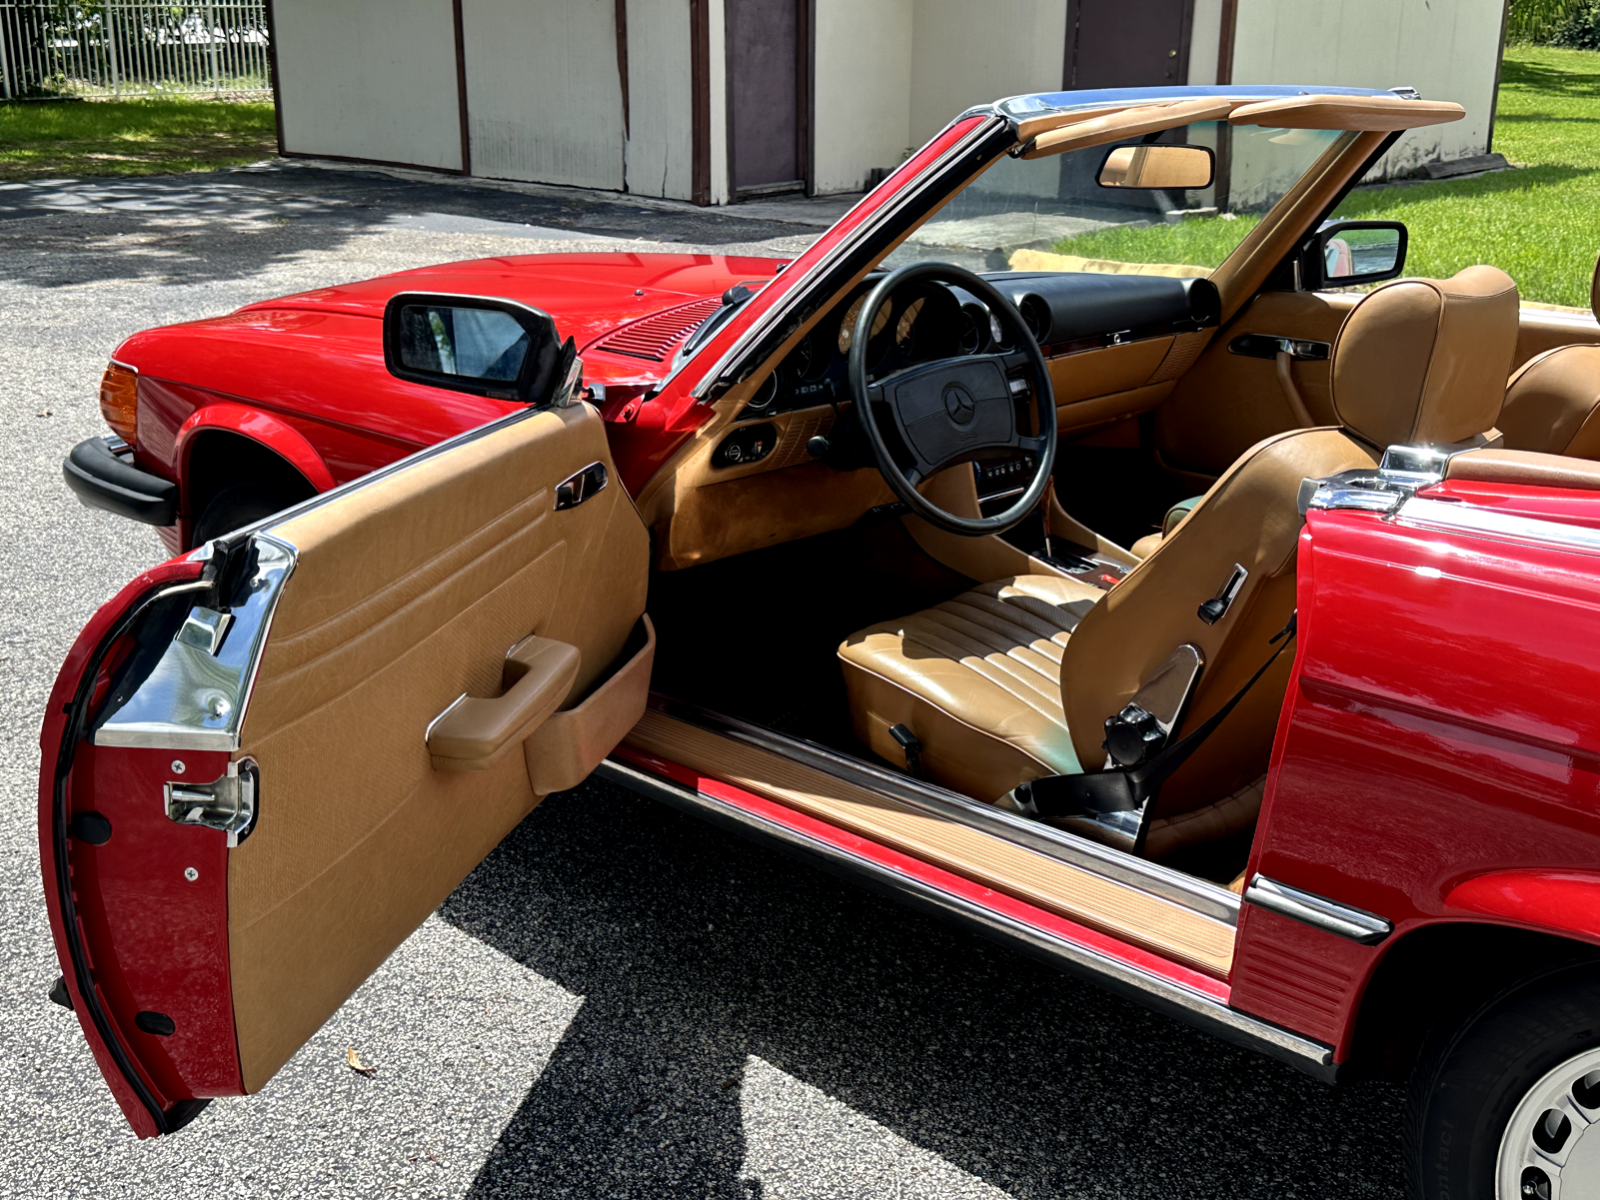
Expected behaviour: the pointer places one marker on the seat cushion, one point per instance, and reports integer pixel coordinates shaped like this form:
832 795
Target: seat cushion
977 679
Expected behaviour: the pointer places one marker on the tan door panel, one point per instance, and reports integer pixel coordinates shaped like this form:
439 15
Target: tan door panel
1228 402
407 593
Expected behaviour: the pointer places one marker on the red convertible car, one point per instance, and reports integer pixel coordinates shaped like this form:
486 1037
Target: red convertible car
1081 540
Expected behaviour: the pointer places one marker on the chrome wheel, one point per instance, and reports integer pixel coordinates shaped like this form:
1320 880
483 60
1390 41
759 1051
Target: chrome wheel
1551 1146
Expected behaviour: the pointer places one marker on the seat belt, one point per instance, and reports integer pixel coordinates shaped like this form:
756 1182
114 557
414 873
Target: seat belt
1126 789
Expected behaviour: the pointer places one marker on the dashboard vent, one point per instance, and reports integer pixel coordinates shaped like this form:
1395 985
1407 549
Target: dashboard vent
654 337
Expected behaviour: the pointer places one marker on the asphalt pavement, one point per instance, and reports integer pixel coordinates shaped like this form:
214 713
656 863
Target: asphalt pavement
621 1001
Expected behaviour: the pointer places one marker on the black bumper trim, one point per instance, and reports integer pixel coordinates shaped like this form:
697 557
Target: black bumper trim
102 480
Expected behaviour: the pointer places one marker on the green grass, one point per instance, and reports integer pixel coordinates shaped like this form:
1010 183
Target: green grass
71 139
1540 222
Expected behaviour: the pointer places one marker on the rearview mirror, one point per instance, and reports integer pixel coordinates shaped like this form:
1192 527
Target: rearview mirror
487 346
1173 168
1353 253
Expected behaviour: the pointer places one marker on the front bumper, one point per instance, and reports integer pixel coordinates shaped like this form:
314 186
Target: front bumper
102 479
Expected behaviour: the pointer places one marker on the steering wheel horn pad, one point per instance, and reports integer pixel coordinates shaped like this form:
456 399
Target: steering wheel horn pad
953 409
946 409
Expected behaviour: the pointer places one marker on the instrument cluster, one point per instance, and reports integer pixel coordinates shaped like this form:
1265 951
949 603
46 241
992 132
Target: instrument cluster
920 323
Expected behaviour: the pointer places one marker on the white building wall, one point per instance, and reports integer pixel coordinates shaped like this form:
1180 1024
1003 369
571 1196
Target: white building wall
660 145
862 81
721 185
1446 49
544 100
368 79
964 54
1205 40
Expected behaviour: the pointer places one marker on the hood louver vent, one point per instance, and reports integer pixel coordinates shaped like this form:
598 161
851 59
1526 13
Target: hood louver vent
654 337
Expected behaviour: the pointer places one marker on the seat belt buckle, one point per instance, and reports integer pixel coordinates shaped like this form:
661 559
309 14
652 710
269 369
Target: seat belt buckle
912 745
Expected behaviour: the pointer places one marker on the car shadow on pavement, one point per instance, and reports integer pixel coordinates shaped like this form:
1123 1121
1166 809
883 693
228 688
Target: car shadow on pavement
224 225
694 950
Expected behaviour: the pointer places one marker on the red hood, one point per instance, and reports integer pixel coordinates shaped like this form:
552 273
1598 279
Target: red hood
589 295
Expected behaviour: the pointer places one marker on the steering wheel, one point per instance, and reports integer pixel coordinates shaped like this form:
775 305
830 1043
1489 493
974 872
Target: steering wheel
952 409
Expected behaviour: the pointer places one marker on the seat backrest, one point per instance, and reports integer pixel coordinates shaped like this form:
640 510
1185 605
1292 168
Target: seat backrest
1416 361
1552 403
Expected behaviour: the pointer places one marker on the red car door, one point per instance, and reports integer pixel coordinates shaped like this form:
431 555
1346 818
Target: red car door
265 763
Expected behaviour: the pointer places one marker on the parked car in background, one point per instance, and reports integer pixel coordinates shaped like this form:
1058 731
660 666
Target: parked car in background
1087 539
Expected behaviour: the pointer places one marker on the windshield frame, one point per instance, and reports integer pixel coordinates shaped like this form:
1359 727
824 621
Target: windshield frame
914 199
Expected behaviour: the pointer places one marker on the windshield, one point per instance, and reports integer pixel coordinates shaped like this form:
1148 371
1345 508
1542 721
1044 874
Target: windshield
1052 214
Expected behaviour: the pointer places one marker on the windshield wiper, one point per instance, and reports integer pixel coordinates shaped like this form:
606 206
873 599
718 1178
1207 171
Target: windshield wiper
732 300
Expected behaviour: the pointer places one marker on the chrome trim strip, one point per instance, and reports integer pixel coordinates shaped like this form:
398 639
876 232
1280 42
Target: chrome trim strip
450 708
1317 911
1164 995
793 299
195 699
1488 522
1197 895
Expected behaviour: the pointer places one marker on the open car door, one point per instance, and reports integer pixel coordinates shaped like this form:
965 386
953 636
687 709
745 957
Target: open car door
266 763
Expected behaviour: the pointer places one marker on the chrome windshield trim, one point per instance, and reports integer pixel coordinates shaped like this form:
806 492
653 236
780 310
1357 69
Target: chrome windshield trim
816 276
1457 517
1199 896
1145 987
1317 911
194 699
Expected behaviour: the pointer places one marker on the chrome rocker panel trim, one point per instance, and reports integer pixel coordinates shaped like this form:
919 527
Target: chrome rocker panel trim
1144 987
1197 895
1317 911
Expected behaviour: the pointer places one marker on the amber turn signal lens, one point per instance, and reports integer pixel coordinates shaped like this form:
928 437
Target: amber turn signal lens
119 401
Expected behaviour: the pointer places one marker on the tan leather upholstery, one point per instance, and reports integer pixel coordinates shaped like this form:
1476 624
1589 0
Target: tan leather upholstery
407 593
970 678
1551 402
978 679
1146 546
1420 360
1526 467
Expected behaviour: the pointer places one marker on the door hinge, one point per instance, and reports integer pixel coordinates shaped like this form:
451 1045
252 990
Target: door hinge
229 804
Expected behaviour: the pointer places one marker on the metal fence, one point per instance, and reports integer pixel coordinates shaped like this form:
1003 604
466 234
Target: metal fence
50 49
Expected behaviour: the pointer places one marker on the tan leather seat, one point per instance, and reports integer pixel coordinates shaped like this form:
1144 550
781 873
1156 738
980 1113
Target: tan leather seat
975 679
1553 402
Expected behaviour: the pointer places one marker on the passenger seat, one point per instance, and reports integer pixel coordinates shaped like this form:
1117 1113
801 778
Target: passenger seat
1553 402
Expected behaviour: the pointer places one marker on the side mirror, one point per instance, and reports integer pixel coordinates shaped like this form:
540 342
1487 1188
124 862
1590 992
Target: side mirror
1169 168
486 346
1351 253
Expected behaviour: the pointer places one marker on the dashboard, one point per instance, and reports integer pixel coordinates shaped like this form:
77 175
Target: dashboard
1067 312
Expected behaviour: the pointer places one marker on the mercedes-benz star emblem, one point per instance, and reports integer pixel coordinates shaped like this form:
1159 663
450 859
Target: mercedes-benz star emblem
958 402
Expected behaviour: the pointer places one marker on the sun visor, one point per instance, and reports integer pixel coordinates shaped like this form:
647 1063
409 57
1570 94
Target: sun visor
1364 114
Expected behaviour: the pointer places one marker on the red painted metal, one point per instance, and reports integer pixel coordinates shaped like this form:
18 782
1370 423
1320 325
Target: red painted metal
1437 729
149 940
656 337
1555 901
312 364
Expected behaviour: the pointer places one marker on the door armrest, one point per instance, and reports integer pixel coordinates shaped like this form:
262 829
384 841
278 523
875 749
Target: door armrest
472 734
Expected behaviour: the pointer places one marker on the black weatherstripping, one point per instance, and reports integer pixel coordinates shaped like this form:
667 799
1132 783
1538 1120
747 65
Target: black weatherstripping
180 1114
102 479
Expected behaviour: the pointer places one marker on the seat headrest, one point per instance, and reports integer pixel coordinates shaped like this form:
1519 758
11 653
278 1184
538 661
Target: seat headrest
1426 360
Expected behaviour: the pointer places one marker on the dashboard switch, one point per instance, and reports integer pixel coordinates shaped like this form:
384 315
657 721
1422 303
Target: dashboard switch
748 445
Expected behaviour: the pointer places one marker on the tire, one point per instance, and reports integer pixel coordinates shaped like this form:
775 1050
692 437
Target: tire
235 507
1478 1123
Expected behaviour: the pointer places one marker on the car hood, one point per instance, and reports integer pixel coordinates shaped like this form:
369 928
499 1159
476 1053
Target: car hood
649 301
